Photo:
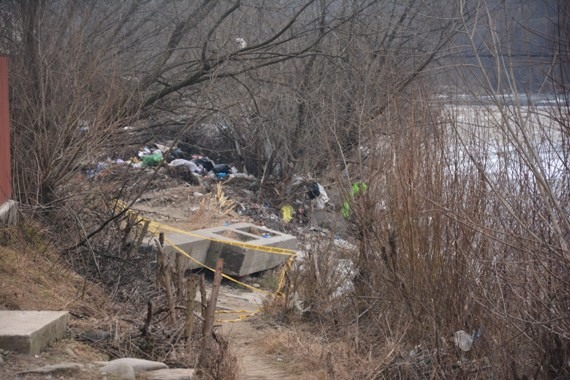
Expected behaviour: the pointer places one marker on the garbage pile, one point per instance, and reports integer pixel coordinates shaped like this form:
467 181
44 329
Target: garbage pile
191 168
304 201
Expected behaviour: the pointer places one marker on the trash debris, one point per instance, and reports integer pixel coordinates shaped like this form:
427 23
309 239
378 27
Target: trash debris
314 191
150 157
153 159
358 188
241 42
318 195
463 340
191 165
222 168
287 213
322 199
204 162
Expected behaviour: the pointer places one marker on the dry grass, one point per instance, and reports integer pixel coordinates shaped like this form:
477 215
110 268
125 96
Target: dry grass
35 278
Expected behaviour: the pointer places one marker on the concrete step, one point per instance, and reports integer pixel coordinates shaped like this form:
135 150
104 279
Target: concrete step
29 332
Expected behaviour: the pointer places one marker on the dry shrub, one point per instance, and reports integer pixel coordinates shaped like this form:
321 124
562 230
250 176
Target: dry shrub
443 243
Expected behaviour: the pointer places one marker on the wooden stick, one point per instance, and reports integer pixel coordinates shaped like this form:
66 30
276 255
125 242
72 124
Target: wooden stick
159 268
208 328
167 283
146 326
179 277
210 310
203 296
191 285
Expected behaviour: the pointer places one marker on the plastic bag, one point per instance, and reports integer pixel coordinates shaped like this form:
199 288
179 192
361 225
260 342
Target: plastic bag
287 213
152 160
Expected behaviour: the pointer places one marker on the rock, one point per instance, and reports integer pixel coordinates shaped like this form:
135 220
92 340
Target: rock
1 361
55 369
171 374
119 370
70 352
463 340
139 365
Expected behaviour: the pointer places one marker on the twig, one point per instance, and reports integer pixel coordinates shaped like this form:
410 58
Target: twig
146 326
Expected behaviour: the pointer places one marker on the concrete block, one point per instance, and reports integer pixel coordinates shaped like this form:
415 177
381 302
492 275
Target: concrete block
9 212
238 261
29 332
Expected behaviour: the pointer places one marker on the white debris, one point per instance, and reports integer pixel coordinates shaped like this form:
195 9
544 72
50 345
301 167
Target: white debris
191 165
322 199
241 42
463 340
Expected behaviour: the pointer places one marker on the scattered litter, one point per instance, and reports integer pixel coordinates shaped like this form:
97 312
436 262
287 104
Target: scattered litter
322 199
204 162
314 190
287 213
153 159
357 189
222 168
241 42
191 165
463 340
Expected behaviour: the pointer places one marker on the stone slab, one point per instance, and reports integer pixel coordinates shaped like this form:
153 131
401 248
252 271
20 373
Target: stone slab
29 332
208 246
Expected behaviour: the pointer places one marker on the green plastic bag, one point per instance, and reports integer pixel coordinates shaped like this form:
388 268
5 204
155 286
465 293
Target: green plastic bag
357 189
153 159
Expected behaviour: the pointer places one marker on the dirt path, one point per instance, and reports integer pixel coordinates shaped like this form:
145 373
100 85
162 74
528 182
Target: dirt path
247 337
247 344
177 207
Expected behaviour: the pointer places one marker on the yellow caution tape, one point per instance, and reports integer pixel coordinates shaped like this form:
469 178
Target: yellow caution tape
213 270
160 226
154 228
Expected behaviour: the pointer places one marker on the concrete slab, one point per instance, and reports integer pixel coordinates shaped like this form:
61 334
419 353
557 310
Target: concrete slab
29 332
238 261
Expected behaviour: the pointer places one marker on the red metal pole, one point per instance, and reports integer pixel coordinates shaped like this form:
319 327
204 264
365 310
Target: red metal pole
5 177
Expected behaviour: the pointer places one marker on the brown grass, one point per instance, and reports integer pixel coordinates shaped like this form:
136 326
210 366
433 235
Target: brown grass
33 277
440 246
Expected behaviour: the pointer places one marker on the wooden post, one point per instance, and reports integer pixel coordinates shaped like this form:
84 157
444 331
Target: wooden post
191 285
203 296
159 268
178 272
167 282
210 310
210 314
